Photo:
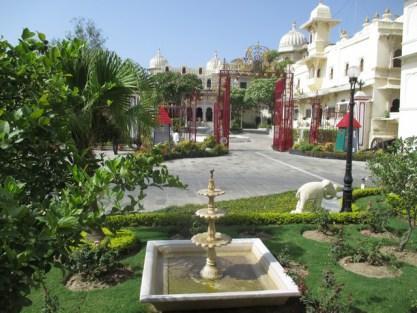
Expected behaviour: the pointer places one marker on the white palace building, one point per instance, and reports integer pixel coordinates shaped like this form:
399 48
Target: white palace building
320 71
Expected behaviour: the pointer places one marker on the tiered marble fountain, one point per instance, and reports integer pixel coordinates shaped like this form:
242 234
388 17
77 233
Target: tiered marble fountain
211 270
211 239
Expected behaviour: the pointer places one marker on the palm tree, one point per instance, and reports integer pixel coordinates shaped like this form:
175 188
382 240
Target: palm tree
113 97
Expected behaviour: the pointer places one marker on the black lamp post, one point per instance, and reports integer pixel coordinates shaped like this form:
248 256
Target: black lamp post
353 73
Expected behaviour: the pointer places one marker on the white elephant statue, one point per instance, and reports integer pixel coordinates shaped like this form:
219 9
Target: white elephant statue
314 191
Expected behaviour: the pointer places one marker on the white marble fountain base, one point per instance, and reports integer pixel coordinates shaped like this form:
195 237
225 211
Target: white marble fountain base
251 276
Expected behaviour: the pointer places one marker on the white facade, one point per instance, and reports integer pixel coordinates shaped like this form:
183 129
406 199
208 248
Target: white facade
323 73
408 109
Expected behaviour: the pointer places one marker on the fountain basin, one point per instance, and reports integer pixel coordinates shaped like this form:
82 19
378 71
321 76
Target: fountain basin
250 276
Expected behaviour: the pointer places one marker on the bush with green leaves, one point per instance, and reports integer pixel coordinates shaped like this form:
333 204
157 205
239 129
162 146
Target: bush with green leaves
93 262
396 172
51 189
377 219
324 222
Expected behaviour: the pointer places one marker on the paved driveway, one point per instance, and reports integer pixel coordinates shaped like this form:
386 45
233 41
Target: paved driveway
252 168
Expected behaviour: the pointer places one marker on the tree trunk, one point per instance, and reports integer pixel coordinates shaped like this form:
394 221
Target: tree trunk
404 239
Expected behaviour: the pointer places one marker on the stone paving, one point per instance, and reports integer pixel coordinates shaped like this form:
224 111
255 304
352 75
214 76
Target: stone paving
251 169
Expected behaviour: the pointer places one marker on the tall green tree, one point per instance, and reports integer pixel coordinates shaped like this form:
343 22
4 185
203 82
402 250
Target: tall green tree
261 92
87 31
173 87
239 105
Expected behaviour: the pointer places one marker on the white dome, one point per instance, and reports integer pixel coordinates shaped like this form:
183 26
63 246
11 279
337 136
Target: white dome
158 61
321 11
214 64
292 41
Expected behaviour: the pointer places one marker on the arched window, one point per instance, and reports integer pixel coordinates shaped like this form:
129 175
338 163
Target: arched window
331 73
200 70
396 61
209 115
308 113
295 116
208 84
199 114
395 106
318 74
346 69
361 65
298 83
166 69
184 70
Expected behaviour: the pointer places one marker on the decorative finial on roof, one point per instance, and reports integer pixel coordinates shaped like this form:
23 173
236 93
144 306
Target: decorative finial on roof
366 21
294 25
387 15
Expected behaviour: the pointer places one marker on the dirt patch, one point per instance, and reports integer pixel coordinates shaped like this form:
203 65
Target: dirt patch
402 256
384 235
297 268
76 283
318 236
368 270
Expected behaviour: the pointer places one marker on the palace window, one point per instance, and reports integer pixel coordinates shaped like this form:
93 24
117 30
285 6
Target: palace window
331 73
209 115
199 114
308 113
361 65
298 83
346 69
200 70
318 74
243 85
208 84
166 69
183 70
295 117
395 106
396 62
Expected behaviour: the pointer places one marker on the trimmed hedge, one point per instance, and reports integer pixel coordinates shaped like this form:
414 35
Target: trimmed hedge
358 156
361 193
186 220
121 240
325 135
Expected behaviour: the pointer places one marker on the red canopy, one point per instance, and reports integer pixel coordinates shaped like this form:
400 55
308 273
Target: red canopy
163 117
344 122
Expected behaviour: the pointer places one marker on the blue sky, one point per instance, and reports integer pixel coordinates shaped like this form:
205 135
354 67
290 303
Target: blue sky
187 31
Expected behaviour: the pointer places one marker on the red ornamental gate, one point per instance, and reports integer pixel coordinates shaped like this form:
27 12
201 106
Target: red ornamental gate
283 114
222 109
315 121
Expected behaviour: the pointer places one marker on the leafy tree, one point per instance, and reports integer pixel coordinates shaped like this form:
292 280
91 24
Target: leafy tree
46 197
261 92
396 171
173 87
237 100
87 31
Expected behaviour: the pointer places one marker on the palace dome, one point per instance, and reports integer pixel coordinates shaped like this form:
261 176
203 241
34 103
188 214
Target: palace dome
292 41
214 64
158 61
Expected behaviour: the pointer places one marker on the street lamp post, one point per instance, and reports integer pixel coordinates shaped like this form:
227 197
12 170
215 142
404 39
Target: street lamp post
353 73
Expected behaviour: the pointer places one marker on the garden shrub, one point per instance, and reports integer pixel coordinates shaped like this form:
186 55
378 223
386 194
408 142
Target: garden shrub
307 150
121 240
209 142
323 222
317 148
377 219
93 263
328 147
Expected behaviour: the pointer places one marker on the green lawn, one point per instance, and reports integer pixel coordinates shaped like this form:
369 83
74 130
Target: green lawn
276 203
368 294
